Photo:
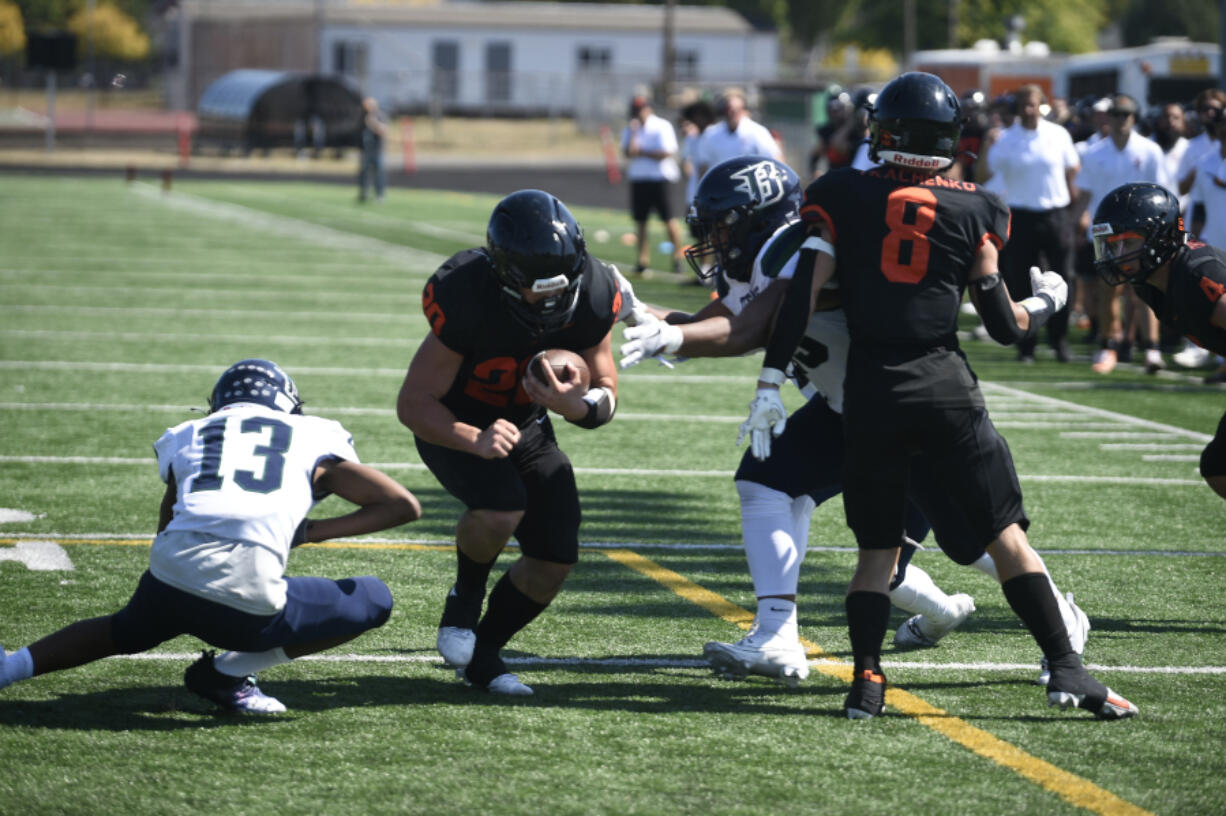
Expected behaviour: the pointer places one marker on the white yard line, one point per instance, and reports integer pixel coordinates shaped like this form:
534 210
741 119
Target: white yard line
675 663
718 474
675 546
299 230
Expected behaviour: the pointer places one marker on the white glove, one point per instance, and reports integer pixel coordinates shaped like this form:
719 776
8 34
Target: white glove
767 418
648 340
1051 284
633 311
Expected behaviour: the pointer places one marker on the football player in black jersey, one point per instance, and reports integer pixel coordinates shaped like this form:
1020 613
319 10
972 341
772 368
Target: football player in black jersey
480 423
908 243
1139 239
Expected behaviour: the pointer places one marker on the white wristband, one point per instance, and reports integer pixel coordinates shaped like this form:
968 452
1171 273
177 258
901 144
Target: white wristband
672 337
772 375
820 244
1035 304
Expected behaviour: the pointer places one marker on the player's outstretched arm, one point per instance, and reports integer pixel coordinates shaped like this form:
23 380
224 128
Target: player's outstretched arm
382 501
1008 321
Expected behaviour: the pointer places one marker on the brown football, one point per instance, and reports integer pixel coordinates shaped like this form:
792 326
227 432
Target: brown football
557 360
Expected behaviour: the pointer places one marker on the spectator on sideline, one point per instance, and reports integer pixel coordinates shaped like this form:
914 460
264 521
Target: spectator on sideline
1124 156
373 129
650 143
695 118
1037 162
225 530
1209 105
735 134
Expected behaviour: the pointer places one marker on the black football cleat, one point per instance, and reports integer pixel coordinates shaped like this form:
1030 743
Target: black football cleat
867 696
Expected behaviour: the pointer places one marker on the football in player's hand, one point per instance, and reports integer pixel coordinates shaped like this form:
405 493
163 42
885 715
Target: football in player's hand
557 360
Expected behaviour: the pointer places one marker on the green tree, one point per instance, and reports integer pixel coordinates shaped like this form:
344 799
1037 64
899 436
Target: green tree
115 34
1145 19
12 30
1064 26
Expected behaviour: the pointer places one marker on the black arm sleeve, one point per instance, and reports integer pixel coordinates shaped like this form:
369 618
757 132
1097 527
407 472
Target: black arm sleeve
793 314
997 312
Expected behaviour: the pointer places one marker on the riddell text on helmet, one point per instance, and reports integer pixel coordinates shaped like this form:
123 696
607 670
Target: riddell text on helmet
921 162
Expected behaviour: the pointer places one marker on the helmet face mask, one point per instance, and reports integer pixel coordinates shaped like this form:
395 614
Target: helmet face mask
256 381
538 253
915 122
1136 229
738 205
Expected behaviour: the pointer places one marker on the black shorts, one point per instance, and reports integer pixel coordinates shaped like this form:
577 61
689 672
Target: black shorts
967 462
536 478
807 458
646 196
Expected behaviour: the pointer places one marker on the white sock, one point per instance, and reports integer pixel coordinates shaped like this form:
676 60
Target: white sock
919 595
767 527
777 617
242 664
802 514
987 566
17 666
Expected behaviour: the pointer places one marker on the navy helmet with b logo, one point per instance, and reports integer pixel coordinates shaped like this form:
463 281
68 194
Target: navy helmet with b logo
256 381
738 205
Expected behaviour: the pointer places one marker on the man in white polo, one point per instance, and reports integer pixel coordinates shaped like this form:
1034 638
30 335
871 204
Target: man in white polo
1124 156
650 143
735 134
1035 162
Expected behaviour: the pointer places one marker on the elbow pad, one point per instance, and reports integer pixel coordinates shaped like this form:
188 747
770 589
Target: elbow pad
601 405
996 309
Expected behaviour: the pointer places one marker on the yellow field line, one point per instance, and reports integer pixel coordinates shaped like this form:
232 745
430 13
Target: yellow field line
1070 787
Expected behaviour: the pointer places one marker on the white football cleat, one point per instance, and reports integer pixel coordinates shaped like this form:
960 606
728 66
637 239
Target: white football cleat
774 656
508 684
1192 356
921 631
456 645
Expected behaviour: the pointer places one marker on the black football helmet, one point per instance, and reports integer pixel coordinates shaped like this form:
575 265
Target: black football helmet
258 381
738 204
915 122
535 243
1139 210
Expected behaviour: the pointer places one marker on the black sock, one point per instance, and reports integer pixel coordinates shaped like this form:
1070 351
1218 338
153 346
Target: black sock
471 576
868 616
462 608
1034 601
509 610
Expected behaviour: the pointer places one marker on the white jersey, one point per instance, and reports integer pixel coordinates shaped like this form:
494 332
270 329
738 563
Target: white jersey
820 361
244 480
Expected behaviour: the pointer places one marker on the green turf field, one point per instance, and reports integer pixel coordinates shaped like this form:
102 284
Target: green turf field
121 305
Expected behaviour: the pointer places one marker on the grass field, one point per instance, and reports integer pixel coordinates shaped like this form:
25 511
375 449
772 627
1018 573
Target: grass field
121 305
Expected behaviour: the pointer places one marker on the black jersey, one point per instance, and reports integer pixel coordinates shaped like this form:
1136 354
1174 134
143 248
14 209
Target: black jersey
905 244
1197 281
465 306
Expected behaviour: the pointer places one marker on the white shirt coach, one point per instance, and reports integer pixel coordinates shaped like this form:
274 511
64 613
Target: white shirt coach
656 135
1210 189
1105 167
749 139
1032 165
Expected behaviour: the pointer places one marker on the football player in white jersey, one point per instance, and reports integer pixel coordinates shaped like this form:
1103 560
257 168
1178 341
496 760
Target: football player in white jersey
746 211
239 484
